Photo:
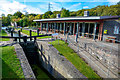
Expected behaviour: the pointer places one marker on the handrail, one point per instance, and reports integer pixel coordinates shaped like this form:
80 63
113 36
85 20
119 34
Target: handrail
26 37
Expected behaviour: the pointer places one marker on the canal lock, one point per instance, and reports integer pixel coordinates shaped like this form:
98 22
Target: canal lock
31 51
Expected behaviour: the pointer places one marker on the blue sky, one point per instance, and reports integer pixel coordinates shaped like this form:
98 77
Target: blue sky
41 6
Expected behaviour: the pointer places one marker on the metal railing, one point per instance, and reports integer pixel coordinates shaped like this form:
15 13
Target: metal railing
92 49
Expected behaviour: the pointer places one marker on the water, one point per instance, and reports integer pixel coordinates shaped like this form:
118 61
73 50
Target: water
16 35
4 27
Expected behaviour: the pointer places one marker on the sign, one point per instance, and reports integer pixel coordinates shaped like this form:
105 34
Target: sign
105 31
116 30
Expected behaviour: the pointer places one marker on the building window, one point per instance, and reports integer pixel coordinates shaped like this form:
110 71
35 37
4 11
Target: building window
116 30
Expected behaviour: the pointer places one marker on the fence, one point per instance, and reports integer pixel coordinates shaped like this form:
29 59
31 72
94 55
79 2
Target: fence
99 54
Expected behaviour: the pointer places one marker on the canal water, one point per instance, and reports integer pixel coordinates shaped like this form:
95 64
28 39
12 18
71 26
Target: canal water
31 52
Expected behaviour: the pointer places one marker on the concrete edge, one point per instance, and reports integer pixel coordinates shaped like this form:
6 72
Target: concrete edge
27 70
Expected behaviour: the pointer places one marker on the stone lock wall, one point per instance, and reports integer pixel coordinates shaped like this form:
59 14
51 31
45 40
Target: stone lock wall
56 64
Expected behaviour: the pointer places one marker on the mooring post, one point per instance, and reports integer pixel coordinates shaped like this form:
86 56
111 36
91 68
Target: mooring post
19 35
11 33
21 29
34 39
68 36
76 37
30 35
13 29
25 39
38 32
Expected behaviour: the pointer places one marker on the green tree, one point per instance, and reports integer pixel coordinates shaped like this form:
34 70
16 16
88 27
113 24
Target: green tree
5 21
25 21
21 22
53 16
30 19
73 13
47 15
118 3
18 14
65 13
38 16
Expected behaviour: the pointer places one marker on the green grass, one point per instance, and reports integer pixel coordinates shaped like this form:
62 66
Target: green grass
17 29
70 55
40 74
34 34
3 33
10 63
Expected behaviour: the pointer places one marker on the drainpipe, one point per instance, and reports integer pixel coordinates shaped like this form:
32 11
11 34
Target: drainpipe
64 28
83 29
54 27
77 27
95 30
70 28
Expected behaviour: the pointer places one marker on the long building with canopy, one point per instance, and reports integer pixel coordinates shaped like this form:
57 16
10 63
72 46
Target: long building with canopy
95 27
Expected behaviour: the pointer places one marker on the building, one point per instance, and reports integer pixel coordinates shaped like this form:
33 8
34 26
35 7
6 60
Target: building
95 27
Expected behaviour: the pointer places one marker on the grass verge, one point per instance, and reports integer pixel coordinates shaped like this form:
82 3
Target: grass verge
70 55
10 63
3 33
34 34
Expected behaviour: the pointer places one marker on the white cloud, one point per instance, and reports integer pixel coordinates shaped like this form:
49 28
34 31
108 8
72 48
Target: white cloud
85 7
11 7
113 2
55 6
74 6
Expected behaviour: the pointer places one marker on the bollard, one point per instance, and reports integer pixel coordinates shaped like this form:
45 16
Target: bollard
19 35
34 39
85 46
13 29
68 36
15 39
21 29
11 33
25 39
38 32
30 35
76 37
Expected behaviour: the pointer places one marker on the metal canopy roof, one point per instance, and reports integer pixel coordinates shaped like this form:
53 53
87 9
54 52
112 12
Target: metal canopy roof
79 18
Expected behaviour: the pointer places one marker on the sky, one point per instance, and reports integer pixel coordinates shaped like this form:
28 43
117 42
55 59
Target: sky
41 6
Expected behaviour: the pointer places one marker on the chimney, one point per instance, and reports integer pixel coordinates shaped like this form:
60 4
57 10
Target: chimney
58 16
86 13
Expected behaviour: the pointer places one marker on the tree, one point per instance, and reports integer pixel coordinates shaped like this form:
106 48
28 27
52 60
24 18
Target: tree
5 21
73 13
25 21
65 13
118 3
18 14
21 22
3 15
53 16
38 16
30 20
47 15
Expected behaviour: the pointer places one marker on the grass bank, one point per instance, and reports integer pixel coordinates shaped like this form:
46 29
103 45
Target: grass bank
11 67
3 33
70 55
34 34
